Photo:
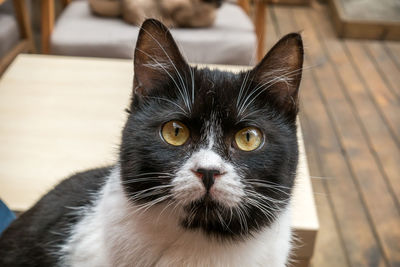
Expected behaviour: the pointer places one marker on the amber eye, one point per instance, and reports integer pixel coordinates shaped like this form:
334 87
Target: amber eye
248 138
175 133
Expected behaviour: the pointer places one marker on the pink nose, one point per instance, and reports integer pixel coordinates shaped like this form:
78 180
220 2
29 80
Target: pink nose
207 176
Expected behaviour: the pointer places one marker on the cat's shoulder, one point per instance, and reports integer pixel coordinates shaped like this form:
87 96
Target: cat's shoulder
35 237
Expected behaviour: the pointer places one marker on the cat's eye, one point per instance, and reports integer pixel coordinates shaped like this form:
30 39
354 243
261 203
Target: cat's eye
175 133
248 138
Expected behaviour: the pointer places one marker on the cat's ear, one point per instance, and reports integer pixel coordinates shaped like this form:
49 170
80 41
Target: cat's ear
157 57
279 72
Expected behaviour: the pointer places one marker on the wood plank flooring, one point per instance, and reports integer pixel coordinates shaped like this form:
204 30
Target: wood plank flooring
350 114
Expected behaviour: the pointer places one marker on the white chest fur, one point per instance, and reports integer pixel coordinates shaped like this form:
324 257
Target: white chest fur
115 233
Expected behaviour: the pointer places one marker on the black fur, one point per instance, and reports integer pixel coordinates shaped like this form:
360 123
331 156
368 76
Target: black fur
35 237
218 3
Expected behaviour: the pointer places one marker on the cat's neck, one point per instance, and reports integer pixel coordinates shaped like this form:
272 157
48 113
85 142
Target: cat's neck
122 234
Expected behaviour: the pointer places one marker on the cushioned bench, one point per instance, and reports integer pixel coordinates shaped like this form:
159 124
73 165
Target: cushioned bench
78 32
9 31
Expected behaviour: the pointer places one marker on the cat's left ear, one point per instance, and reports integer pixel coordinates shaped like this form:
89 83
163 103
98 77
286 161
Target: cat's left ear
279 72
157 57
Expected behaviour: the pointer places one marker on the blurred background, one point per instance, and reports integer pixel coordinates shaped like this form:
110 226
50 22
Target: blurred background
350 93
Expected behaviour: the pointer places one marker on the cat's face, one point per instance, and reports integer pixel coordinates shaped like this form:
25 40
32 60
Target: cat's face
220 147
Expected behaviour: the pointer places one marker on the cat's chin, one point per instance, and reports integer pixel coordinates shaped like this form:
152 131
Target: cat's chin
213 219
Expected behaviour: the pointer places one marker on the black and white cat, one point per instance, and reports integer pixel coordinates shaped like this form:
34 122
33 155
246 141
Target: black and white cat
204 177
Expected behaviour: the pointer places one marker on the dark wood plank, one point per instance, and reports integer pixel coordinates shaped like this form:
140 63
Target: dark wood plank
363 122
353 224
385 175
384 148
393 49
382 213
385 65
283 20
385 101
329 249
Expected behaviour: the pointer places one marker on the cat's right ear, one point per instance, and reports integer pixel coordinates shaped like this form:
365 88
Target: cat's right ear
157 57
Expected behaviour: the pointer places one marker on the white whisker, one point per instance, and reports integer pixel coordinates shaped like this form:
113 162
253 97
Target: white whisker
176 84
173 65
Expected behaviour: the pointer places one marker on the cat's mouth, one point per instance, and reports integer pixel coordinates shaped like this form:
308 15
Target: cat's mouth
205 202
203 208
202 212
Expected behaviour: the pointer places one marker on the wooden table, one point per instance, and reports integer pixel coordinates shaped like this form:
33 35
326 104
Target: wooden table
59 115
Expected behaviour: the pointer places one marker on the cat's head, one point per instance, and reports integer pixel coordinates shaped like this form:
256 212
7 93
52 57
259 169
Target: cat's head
220 147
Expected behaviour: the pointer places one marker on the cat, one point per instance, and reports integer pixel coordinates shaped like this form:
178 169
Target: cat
206 167
173 13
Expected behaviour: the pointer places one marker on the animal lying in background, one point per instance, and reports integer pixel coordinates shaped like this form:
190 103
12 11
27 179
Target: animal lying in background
173 13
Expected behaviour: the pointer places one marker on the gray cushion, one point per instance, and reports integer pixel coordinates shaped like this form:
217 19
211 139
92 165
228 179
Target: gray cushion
79 33
9 33
7 7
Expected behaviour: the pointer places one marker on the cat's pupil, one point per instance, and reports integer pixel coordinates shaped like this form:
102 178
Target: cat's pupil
176 131
248 137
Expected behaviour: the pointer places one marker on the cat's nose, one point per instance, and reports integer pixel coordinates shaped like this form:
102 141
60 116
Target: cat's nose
207 176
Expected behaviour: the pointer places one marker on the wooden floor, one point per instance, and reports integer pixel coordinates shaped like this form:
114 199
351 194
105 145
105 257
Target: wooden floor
350 114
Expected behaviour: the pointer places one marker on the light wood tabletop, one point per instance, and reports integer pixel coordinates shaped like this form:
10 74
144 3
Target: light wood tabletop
61 115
